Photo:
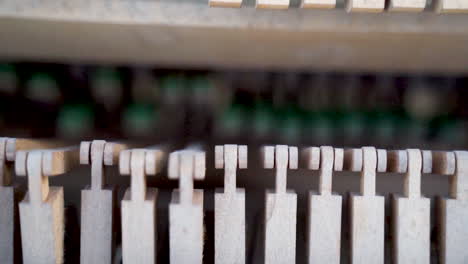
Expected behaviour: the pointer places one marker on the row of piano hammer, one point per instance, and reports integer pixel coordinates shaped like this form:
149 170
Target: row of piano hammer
439 6
42 216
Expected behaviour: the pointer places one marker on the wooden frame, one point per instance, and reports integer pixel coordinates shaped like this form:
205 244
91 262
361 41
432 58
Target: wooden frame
292 39
8 149
42 209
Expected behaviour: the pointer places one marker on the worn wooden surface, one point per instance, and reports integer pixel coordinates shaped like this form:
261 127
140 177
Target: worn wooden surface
15 144
156 32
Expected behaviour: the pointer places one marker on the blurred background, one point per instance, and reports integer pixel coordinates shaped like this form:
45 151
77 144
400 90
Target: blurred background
75 102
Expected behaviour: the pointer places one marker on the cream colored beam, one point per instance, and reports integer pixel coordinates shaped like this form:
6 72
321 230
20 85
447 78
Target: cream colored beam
293 38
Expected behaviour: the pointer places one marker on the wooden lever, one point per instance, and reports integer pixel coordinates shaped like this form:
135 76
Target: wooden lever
139 203
367 244
411 226
353 160
186 208
8 148
281 206
453 234
324 209
230 206
44 164
398 161
96 225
